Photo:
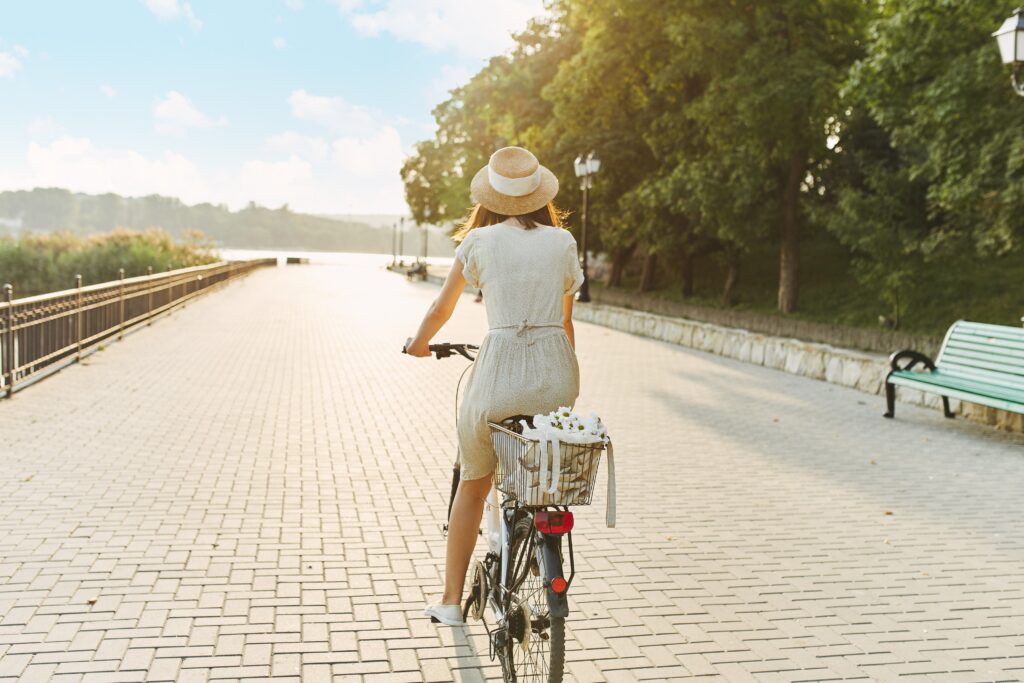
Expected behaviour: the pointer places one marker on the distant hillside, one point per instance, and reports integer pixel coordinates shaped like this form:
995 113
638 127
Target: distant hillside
377 220
254 227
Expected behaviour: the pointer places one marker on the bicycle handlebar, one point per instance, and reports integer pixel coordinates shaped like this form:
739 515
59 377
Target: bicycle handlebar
446 350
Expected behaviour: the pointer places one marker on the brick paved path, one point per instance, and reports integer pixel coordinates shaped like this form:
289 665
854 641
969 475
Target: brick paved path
253 488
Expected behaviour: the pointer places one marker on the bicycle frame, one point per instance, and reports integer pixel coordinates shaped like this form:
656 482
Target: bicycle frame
547 550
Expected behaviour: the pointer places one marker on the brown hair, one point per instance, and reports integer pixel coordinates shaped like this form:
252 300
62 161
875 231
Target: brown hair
479 217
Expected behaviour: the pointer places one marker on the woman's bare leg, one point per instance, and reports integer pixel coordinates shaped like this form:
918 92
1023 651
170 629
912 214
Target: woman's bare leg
463 528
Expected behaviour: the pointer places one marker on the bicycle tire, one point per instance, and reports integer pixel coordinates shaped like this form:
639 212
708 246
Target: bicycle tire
544 660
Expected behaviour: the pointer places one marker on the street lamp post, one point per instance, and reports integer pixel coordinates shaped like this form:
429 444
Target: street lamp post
586 168
394 244
1010 38
426 234
401 240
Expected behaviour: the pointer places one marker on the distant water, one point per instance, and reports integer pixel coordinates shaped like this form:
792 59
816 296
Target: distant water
330 258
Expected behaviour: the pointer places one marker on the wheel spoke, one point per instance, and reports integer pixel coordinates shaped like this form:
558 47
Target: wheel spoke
542 660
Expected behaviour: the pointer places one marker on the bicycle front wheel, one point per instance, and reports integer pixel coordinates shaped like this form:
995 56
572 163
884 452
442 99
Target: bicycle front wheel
534 645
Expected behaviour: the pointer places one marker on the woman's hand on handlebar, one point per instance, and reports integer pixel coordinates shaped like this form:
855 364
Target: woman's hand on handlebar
420 350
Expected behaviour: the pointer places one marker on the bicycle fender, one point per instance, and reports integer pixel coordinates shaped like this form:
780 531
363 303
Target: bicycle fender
549 561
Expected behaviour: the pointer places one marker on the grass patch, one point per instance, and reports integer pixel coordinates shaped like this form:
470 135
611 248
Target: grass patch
38 263
973 288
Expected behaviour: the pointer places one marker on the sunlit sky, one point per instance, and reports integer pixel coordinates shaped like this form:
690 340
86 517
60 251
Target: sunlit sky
314 103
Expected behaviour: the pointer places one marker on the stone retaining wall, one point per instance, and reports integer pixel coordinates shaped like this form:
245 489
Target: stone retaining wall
855 369
876 340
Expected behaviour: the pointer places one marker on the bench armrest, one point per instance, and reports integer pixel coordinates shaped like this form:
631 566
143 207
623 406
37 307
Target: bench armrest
910 360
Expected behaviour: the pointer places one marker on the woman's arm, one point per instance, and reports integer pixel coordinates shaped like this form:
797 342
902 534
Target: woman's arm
570 332
439 312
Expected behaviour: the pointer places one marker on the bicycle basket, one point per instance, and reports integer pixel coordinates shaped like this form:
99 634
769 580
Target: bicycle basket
538 476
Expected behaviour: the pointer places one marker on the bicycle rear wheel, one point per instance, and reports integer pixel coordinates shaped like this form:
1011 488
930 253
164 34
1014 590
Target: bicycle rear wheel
534 642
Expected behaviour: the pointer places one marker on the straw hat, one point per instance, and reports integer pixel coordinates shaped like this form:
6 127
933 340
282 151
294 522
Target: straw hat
513 183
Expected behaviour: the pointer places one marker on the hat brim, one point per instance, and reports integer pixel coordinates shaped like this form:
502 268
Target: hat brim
481 192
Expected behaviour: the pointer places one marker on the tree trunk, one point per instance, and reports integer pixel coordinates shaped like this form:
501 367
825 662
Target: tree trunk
732 278
687 266
619 262
789 238
648 273
896 311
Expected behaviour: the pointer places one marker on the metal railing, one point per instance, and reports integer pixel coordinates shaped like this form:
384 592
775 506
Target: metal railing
41 333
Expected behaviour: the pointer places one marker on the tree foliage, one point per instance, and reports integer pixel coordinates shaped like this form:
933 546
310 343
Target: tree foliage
928 168
729 127
39 263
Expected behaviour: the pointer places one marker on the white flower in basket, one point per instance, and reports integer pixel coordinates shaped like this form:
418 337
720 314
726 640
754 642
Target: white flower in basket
554 462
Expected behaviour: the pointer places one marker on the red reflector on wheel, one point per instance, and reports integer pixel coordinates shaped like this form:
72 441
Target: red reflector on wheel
558 584
553 522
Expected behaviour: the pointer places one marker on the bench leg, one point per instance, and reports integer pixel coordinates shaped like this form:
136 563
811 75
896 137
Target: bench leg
945 408
890 400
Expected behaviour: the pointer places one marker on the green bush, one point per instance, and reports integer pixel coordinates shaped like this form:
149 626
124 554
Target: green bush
36 263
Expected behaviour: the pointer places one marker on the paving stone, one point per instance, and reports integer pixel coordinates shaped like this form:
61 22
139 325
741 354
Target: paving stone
253 488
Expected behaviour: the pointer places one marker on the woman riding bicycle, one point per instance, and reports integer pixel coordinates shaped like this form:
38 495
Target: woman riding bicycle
514 248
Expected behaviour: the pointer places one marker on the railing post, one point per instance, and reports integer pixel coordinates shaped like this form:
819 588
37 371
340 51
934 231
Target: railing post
78 318
149 296
120 325
8 359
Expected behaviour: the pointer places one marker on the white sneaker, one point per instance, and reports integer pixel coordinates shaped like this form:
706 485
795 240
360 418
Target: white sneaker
450 615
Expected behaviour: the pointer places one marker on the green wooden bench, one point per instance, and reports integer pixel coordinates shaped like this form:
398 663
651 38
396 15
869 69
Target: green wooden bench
978 363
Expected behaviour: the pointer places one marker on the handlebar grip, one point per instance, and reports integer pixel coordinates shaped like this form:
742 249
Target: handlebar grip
445 350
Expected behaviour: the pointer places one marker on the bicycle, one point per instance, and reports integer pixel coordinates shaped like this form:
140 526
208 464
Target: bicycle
522 578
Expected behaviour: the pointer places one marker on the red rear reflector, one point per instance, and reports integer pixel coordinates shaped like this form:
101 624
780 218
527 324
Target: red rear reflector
551 522
558 584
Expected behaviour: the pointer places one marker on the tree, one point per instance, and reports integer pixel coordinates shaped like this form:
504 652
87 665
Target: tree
928 163
603 99
758 81
933 80
500 105
729 128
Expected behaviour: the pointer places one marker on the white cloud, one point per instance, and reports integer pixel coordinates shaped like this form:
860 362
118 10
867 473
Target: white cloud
175 113
280 43
169 10
296 144
359 177
9 65
333 113
81 166
20 51
331 184
378 155
164 9
293 4
366 154
355 172
352 168
273 183
108 90
45 126
474 29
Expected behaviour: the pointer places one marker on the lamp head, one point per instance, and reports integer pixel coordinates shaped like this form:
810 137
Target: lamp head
580 165
1010 37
